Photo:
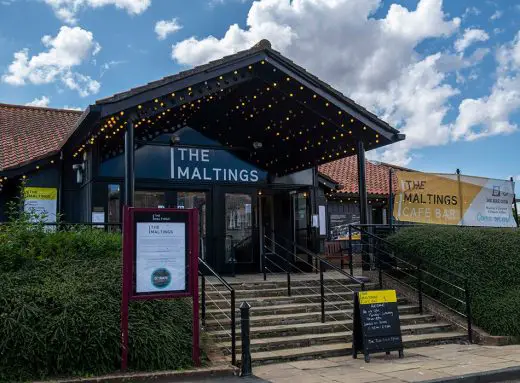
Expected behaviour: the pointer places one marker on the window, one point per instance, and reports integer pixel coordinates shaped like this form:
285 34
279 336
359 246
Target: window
155 199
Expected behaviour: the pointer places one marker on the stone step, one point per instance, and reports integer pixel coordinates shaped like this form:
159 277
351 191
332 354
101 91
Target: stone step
345 348
332 313
257 285
298 308
224 304
302 341
312 328
330 289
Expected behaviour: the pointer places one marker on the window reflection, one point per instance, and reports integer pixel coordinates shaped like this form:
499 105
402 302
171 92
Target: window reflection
150 199
238 228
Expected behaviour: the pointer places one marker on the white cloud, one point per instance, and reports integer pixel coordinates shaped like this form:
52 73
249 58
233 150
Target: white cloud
105 67
66 10
375 62
42 101
497 15
84 85
70 48
165 27
471 11
490 115
470 37
73 108
372 60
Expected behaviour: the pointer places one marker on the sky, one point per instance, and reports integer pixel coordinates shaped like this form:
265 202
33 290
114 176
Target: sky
445 73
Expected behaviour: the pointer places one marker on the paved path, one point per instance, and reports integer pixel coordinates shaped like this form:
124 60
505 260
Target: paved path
419 364
226 379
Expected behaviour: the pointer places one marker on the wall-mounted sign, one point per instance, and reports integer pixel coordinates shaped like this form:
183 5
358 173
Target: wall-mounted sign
41 203
446 199
377 327
204 165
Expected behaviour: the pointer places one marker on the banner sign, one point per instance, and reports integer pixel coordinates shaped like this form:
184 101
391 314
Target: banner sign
452 199
42 202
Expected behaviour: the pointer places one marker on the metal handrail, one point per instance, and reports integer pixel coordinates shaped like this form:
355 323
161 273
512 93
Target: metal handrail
289 265
321 259
419 268
294 265
358 227
232 304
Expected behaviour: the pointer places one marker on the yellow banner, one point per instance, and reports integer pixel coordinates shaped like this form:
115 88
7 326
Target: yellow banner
377 296
41 194
451 199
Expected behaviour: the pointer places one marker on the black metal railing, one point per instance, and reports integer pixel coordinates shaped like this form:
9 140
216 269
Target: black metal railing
445 287
205 270
281 256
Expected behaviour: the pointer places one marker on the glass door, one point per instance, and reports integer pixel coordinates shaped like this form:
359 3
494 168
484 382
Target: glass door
191 200
301 219
238 234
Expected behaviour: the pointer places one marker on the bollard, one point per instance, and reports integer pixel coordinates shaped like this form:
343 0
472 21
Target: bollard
246 369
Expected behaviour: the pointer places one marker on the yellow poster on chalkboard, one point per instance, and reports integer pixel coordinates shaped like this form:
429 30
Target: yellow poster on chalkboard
378 296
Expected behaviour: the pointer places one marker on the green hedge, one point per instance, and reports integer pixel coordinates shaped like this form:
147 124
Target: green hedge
60 295
490 258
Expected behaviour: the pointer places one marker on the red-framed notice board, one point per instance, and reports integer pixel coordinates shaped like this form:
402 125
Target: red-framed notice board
160 261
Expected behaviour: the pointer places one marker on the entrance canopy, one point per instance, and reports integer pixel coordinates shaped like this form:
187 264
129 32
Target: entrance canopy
272 112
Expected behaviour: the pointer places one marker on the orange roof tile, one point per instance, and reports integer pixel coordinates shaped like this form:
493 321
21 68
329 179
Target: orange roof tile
29 133
344 171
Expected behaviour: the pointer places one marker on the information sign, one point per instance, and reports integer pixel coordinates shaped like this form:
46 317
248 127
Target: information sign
161 256
377 326
160 261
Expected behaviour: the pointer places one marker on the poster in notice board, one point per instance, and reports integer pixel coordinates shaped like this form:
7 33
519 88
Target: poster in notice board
377 327
161 253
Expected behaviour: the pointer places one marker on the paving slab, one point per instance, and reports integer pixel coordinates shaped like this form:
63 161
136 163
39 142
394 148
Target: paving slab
439 363
416 375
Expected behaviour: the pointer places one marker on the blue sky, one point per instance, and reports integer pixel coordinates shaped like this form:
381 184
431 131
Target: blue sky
446 73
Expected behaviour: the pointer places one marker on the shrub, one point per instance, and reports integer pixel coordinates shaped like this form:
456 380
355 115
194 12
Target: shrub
487 256
60 295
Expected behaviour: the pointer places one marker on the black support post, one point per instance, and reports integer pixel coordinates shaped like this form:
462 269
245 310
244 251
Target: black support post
390 199
468 310
203 300
322 293
129 164
515 208
363 201
246 368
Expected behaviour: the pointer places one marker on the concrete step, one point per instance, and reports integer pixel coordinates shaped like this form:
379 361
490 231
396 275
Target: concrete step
282 291
314 328
302 341
224 304
332 313
298 308
282 283
345 348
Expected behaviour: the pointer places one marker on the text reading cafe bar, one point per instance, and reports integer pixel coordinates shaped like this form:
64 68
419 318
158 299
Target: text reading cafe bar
240 139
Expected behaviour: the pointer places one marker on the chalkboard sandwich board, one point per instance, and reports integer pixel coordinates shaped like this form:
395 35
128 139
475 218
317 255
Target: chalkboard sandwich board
377 327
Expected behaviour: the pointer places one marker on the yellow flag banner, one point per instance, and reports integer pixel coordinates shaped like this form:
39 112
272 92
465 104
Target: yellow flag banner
451 199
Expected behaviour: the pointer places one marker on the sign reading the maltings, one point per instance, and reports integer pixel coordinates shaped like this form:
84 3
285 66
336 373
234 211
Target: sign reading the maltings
206 165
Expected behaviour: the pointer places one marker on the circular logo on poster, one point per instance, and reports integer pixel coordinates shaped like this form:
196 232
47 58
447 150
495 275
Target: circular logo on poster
161 278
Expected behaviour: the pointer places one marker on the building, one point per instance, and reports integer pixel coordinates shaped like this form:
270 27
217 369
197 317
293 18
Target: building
246 139
339 180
